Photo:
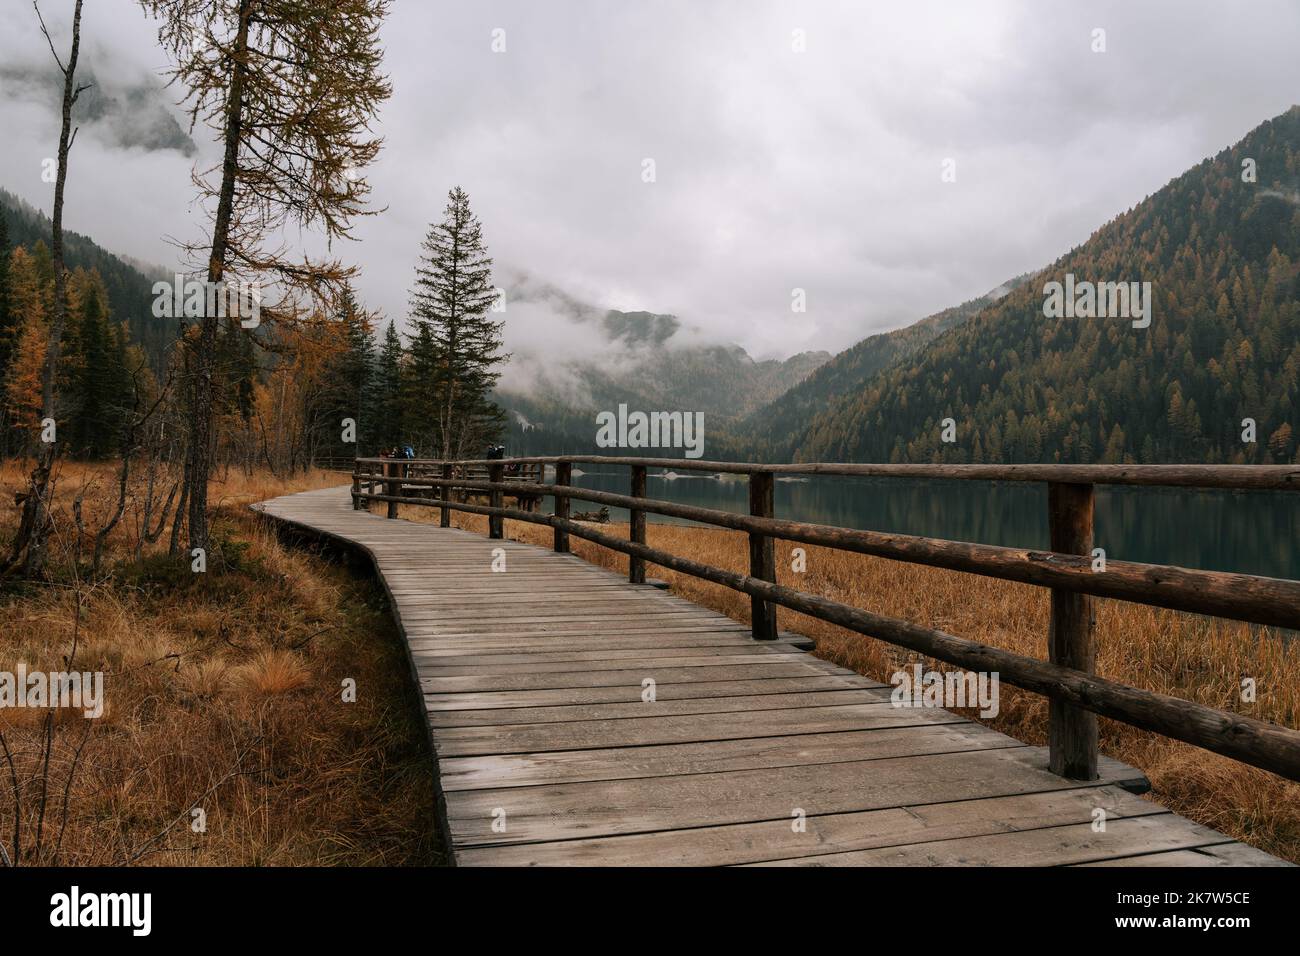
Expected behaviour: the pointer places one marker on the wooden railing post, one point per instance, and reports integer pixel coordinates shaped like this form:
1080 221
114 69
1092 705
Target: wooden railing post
762 556
391 486
356 486
635 565
444 516
496 523
563 476
1072 732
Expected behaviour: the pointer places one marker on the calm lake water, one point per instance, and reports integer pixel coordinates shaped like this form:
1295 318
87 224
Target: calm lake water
1251 532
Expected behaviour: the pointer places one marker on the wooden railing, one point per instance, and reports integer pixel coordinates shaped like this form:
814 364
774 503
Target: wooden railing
1076 694
335 464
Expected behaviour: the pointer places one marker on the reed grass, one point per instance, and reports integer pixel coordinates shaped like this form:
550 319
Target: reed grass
224 693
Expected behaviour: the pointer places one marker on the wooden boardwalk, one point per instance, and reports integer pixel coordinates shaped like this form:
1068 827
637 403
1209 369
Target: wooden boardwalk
750 753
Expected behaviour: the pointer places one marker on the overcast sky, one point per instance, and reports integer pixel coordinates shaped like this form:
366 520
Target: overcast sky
775 169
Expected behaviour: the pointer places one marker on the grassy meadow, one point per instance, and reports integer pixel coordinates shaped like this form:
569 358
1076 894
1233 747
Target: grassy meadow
223 692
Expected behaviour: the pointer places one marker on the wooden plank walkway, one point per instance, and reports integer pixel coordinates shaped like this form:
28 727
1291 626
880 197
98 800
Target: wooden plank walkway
750 753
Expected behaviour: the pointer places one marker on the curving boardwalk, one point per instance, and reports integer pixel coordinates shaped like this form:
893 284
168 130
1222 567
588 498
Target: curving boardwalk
750 753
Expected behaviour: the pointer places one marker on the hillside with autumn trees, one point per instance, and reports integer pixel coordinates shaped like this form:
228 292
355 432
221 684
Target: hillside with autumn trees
99 361
1222 254
771 432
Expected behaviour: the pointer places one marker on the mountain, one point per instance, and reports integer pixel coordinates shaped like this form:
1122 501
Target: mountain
775 430
129 284
1222 256
648 361
121 107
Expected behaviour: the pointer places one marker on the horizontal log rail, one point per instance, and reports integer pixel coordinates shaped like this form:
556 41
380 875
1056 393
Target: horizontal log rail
1076 693
1233 477
1243 597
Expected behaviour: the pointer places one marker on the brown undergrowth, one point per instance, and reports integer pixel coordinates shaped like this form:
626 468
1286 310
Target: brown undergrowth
224 693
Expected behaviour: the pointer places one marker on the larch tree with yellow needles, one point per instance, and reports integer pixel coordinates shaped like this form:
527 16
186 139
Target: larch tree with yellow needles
290 89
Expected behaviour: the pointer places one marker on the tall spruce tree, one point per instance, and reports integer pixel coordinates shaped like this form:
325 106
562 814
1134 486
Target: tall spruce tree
419 396
351 383
456 351
387 429
98 376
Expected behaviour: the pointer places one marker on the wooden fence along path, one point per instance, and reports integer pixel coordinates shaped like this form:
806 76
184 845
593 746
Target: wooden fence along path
536 682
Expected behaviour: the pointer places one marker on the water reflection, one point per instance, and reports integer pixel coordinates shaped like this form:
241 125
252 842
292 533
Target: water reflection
1252 532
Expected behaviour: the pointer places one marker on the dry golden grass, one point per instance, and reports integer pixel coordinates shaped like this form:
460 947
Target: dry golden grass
1182 655
224 692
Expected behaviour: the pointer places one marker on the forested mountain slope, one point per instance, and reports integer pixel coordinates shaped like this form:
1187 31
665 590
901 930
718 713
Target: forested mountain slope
129 289
773 431
1222 256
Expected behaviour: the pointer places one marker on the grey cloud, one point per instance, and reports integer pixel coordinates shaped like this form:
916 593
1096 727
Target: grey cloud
776 170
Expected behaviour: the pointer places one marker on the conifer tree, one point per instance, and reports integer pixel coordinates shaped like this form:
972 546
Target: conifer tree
457 348
22 393
351 382
98 377
387 430
419 396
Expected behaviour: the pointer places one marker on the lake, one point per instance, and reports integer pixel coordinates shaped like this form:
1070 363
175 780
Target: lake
1251 532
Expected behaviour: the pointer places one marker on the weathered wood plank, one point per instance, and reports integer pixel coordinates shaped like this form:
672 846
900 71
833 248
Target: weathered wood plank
439 667
438 655
609 807
632 692
558 713
627 732
506 769
1049 846
838 832
627 677
1221 854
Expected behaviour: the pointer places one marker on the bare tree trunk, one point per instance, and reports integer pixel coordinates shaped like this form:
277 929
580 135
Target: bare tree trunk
124 476
202 394
174 546
29 545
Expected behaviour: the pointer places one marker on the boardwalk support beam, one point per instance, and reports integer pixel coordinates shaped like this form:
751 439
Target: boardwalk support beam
1072 732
